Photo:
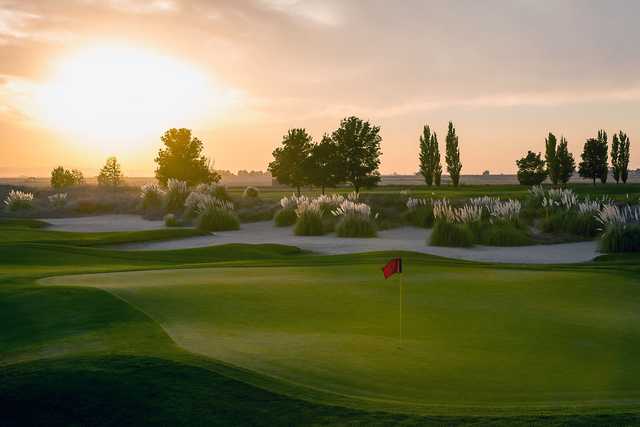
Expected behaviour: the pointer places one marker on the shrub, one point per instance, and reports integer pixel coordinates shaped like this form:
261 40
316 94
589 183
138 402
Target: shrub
309 222
446 233
504 234
151 199
420 217
58 201
251 193
18 200
217 218
285 217
356 226
176 195
572 222
420 212
621 238
170 220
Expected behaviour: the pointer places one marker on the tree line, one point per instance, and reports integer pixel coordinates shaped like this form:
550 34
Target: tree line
351 154
559 164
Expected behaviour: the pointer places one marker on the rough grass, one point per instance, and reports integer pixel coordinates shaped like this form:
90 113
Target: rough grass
448 234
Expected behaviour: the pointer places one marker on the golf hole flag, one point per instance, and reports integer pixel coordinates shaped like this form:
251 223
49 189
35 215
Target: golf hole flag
394 266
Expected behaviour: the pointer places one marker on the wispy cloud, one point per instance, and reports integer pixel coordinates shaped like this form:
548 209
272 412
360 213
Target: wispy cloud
319 12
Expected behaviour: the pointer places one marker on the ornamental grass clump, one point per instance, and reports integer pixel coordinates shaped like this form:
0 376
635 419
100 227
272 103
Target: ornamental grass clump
152 199
215 215
176 195
58 200
355 220
18 201
308 219
286 216
419 212
621 228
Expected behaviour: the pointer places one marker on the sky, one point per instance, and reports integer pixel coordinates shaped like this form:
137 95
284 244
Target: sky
81 80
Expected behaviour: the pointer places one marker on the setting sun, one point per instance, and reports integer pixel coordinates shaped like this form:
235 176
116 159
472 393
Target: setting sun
117 95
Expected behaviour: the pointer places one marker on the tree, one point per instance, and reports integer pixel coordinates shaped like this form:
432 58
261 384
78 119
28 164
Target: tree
358 148
551 159
437 166
452 155
63 178
620 156
531 169
110 174
566 162
290 160
182 159
323 164
623 156
594 158
426 154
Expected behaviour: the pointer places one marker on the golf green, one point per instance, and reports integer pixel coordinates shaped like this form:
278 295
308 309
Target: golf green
476 338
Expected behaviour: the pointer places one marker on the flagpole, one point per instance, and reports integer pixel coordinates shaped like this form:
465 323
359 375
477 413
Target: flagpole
401 299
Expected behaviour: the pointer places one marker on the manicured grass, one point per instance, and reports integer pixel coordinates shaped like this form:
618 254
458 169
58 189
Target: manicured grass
271 323
478 339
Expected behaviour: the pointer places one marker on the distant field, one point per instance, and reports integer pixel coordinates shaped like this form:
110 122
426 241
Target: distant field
476 339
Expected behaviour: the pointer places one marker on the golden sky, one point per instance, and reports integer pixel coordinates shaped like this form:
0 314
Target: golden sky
84 79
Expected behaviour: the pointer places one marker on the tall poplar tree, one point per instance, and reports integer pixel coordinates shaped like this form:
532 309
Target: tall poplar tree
452 155
426 155
551 159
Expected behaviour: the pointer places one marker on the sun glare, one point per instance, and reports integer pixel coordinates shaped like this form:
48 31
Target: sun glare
116 96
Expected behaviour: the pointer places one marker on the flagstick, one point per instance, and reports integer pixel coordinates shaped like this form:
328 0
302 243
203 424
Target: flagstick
401 292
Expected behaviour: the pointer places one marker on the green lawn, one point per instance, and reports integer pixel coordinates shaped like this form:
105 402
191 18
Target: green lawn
267 335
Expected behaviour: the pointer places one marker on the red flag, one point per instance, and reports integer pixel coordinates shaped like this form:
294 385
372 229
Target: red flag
394 266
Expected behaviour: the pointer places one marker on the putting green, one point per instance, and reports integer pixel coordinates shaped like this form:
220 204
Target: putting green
474 337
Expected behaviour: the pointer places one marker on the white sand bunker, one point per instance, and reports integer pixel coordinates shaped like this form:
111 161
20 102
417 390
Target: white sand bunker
404 239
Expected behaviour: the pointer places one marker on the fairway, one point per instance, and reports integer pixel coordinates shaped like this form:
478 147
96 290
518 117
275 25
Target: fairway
477 339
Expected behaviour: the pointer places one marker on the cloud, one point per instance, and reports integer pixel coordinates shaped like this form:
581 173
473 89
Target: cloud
144 6
22 25
319 12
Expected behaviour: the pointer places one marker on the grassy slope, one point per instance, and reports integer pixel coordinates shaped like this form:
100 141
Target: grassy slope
80 355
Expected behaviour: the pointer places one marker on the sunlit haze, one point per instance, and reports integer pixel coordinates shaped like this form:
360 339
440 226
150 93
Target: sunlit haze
84 79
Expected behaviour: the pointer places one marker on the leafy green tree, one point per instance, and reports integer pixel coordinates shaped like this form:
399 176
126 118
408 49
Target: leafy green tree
111 174
551 159
182 159
594 158
452 155
437 166
63 178
358 148
323 164
566 162
291 159
620 156
531 170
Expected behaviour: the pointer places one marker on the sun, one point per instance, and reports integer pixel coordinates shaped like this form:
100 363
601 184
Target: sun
113 95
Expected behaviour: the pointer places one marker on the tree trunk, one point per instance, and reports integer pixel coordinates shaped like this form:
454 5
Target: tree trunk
323 190
298 187
594 180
